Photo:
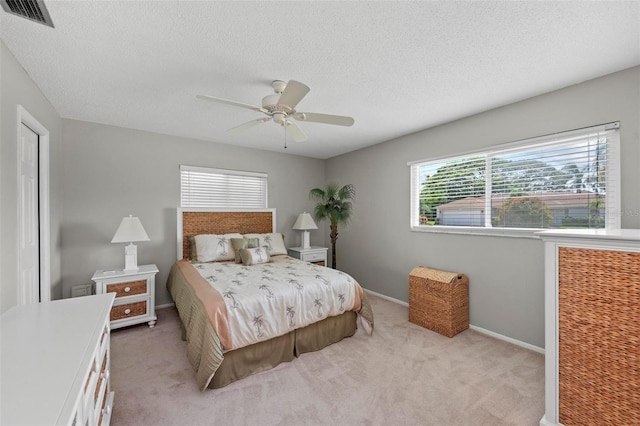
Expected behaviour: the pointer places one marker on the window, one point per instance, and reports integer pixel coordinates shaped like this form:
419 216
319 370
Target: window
564 180
219 188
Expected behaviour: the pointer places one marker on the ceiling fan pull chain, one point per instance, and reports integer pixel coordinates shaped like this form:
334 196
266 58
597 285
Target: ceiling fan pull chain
285 136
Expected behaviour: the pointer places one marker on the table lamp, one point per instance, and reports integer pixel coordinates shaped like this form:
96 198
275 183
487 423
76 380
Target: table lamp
130 231
304 223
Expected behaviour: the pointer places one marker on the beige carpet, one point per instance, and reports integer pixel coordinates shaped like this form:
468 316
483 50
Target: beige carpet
402 375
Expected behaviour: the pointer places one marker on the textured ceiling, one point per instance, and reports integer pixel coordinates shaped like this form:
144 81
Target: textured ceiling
396 67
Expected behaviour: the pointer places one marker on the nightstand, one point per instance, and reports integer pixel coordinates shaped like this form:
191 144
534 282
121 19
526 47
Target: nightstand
135 294
314 254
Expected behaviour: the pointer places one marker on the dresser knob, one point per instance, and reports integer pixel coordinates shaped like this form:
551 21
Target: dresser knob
127 289
127 311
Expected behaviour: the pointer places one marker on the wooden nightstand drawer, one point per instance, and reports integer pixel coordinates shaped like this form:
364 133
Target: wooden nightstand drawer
317 255
128 288
314 257
129 310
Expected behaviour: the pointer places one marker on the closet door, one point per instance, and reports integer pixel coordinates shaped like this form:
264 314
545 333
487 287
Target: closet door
29 222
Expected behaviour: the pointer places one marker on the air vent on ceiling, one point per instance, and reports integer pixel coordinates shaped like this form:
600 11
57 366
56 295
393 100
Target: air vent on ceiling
34 10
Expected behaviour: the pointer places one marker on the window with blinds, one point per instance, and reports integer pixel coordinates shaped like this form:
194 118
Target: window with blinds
219 188
564 180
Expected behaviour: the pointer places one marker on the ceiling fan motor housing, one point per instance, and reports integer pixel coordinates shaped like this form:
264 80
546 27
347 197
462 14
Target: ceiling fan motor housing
270 103
270 100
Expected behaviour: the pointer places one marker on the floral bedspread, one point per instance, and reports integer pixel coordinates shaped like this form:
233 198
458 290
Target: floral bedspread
271 299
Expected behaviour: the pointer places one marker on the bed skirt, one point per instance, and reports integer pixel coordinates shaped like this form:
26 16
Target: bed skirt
263 356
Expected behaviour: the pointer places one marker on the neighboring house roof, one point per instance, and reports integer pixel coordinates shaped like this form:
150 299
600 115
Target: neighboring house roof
555 200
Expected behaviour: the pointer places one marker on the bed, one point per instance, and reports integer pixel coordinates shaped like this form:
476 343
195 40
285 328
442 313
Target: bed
239 319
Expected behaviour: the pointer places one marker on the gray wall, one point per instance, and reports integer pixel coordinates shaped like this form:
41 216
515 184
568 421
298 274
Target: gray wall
16 87
111 172
506 274
108 172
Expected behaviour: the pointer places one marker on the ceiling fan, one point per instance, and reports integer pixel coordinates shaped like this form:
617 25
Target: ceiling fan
280 107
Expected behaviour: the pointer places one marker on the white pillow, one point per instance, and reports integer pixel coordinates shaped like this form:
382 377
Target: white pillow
274 242
214 248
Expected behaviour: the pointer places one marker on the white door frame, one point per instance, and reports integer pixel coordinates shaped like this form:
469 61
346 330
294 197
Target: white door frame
43 193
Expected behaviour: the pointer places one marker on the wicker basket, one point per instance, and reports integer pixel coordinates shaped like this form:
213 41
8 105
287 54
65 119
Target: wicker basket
439 300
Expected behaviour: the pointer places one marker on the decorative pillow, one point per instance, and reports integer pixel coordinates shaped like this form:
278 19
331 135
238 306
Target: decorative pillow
214 248
274 242
243 243
255 256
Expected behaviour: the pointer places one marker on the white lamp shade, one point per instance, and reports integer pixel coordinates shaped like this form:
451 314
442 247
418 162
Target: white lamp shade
130 230
304 222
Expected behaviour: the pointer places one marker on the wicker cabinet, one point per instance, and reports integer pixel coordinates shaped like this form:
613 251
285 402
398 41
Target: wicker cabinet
135 294
592 306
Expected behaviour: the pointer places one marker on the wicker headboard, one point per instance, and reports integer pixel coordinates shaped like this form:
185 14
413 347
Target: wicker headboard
193 222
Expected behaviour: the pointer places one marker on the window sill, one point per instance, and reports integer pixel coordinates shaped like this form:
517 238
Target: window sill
490 232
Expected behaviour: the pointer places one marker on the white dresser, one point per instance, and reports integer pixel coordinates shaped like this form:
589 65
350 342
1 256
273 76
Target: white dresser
592 307
55 363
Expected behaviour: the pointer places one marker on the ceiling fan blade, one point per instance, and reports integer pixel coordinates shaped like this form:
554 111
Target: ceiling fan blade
295 131
248 125
339 120
293 93
232 103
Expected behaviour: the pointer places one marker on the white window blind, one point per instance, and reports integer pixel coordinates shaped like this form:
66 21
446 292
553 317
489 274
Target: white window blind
564 180
219 188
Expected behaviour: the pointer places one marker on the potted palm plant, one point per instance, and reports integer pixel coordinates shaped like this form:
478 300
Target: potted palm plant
334 204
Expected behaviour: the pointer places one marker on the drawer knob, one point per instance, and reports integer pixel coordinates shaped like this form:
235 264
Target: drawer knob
127 311
127 289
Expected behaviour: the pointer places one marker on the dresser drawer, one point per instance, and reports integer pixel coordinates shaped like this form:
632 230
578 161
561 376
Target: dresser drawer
101 394
129 310
103 375
129 288
88 398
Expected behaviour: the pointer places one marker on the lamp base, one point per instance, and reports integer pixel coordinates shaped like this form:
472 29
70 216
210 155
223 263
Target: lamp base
305 240
131 257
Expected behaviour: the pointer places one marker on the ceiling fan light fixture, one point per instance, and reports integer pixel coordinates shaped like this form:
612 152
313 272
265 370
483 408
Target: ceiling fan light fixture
280 118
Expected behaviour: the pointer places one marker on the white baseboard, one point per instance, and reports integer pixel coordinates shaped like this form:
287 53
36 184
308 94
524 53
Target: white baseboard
507 339
166 305
390 299
545 422
472 327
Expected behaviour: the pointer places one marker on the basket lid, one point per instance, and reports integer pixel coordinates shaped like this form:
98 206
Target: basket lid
434 274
